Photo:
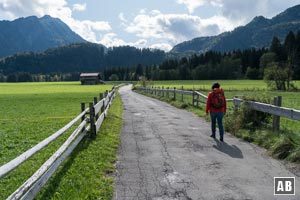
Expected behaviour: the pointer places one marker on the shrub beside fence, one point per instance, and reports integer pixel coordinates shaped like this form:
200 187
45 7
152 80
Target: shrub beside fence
91 120
197 97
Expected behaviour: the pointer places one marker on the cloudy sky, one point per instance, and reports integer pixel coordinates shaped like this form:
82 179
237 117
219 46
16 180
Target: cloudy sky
146 23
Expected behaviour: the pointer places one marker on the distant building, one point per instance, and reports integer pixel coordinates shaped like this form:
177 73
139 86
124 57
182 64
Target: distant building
90 79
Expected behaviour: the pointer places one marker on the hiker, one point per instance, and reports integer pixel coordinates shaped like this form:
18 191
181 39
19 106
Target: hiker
216 106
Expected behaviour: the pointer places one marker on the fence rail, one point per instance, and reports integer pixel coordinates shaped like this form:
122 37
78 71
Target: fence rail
289 113
167 91
91 124
197 97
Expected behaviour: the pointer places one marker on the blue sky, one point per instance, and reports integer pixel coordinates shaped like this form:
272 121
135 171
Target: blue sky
153 23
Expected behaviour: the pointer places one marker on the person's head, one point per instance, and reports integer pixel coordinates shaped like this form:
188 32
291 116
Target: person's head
215 85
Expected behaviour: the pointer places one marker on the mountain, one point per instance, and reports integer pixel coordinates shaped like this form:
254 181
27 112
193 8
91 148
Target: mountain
257 34
34 34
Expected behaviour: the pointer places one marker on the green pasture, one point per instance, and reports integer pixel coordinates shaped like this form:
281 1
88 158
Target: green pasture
241 88
30 112
205 85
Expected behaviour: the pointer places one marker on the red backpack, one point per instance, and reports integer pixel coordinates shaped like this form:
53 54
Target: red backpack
218 98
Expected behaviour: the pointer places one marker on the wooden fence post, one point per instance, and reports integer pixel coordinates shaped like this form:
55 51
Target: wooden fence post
182 93
159 91
92 120
168 92
276 119
193 96
83 117
236 107
82 109
95 102
102 97
174 93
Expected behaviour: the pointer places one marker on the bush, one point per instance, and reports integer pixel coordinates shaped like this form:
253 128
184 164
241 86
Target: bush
252 126
244 117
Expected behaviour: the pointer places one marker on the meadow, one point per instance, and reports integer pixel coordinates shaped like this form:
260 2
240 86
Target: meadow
31 112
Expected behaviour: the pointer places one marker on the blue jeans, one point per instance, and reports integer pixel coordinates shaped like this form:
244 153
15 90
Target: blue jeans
217 116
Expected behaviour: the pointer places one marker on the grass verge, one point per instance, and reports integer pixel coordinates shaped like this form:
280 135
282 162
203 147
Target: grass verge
86 174
30 112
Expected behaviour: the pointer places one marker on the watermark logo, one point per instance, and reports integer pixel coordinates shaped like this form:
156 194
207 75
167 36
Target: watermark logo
284 185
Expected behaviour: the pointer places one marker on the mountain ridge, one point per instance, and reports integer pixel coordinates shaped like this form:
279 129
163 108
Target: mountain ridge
34 34
258 33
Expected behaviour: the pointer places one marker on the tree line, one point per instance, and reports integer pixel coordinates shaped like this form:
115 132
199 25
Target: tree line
278 64
67 62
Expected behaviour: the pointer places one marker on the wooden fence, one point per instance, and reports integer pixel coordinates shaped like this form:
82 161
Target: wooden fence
91 119
197 97
276 110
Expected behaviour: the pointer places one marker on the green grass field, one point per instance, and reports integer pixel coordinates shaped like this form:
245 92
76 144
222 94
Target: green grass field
206 84
31 112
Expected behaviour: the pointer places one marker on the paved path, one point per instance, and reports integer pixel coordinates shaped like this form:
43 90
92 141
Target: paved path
166 153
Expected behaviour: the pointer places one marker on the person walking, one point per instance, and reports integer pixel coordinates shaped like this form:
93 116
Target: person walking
216 106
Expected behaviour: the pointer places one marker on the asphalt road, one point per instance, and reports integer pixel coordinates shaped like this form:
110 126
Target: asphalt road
167 154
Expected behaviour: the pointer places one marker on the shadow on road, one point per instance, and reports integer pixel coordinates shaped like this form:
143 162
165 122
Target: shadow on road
231 150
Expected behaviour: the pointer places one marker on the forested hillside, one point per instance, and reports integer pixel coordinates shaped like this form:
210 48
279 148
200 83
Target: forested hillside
282 58
74 59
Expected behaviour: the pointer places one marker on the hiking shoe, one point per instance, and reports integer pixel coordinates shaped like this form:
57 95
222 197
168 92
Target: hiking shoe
221 139
213 136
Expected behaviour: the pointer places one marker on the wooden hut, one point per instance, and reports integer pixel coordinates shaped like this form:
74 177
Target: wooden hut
90 79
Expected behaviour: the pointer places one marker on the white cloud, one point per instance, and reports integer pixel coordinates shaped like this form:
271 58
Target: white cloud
79 7
243 12
122 18
240 11
163 46
97 25
154 12
89 30
174 28
111 39
12 9
193 4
